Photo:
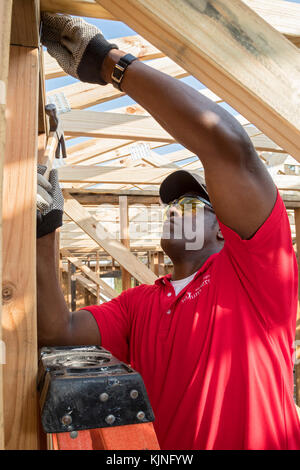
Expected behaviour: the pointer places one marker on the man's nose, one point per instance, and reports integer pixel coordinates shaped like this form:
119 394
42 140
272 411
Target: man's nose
174 211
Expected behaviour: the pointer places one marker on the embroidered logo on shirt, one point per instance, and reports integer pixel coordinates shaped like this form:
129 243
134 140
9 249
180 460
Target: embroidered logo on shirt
191 295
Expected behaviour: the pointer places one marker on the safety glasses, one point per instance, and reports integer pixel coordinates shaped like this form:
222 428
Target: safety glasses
187 205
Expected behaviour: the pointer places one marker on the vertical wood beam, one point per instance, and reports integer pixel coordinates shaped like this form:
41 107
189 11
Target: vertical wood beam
69 285
158 263
124 238
97 272
19 247
297 349
5 23
73 287
155 262
57 252
161 263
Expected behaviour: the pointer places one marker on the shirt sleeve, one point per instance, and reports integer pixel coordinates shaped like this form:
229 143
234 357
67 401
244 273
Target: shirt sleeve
266 265
114 325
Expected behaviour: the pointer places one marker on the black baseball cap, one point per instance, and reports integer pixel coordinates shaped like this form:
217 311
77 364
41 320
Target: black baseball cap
181 182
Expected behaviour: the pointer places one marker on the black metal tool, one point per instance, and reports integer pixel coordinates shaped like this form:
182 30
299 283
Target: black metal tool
85 387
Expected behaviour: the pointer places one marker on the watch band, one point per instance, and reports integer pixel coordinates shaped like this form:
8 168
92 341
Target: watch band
119 70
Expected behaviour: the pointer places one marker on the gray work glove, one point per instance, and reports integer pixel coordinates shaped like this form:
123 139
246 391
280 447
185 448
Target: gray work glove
79 47
50 202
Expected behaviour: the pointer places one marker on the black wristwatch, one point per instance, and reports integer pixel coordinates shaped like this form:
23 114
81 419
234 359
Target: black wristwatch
119 70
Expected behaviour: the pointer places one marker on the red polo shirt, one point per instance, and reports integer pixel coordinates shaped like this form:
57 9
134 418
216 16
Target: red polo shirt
217 359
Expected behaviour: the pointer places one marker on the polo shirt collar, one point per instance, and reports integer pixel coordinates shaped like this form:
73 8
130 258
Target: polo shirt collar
165 280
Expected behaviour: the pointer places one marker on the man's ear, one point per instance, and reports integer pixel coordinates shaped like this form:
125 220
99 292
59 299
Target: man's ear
220 235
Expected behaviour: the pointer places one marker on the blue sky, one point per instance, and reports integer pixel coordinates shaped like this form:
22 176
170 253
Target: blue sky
111 30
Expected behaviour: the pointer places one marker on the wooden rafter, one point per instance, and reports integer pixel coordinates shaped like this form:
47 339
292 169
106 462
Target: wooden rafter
81 123
147 176
280 14
248 56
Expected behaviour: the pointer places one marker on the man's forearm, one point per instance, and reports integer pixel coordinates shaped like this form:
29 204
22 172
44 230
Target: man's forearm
191 118
54 317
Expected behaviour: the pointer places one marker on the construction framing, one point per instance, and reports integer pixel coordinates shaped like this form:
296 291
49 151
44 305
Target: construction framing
127 153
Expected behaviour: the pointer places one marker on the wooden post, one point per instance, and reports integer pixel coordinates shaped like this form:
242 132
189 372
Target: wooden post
73 288
97 272
297 349
69 285
19 248
5 22
152 261
57 252
124 222
155 262
161 263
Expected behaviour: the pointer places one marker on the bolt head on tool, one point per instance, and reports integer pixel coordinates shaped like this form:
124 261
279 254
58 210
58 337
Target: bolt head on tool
134 394
66 420
110 419
104 397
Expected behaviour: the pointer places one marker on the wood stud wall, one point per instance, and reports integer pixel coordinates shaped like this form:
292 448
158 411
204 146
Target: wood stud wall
5 26
277 116
19 233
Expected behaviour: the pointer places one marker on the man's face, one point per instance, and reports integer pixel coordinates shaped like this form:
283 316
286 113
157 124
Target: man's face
188 226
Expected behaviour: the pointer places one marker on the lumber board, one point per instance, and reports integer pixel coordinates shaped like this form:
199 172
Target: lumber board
42 120
102 196
78 123
109 125
19 248
106 174
280 14
82 95
92 227
283 16
122 152
93 148
260 141
251 65
72 285
76 7
25 23
107 290
297 349
135 45
124 238
5 24
140 175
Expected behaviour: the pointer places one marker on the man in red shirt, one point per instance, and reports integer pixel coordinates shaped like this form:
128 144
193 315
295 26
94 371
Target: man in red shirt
214 340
